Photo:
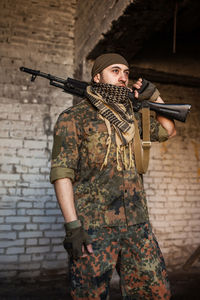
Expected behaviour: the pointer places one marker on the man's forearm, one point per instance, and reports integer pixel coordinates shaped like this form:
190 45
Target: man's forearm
166 123
65 196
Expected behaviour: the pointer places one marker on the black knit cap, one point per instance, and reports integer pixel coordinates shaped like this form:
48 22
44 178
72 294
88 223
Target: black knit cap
105 60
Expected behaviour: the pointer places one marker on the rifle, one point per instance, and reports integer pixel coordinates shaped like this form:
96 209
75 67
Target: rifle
75 87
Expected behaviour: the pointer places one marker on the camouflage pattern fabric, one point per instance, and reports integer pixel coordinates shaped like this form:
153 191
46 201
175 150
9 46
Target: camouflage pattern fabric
134 252
102 198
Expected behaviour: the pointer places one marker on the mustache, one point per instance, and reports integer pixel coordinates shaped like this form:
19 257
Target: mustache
122 83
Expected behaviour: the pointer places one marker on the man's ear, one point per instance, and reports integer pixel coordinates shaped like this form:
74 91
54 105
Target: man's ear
97 78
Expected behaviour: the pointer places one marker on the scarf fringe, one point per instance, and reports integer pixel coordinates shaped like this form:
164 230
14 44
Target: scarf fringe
108 143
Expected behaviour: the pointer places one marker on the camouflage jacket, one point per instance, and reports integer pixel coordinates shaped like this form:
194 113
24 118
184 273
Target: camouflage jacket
102 198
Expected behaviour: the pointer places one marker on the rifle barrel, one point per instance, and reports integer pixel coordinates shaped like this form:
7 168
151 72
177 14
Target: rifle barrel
36 73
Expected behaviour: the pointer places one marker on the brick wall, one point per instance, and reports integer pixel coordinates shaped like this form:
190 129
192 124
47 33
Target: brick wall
173 183
38 35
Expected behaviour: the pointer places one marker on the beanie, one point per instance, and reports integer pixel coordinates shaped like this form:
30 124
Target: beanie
105 60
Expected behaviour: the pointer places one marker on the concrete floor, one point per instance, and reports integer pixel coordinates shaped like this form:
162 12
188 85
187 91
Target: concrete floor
185 286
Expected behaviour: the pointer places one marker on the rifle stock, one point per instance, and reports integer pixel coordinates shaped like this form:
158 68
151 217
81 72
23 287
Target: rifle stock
72 86
175 111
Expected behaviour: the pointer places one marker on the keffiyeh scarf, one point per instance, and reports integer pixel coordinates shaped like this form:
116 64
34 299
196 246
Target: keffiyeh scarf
114 107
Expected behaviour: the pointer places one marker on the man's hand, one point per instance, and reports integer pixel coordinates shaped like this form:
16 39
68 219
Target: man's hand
136 86
145 90
77 242
152 94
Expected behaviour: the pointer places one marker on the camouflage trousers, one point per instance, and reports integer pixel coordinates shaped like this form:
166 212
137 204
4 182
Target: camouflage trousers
134 252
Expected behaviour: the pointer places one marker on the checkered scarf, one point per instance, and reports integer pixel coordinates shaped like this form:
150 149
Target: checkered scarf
113 103
114 106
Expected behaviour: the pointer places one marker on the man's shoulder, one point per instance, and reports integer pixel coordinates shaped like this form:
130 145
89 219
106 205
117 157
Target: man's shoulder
77 109
79 113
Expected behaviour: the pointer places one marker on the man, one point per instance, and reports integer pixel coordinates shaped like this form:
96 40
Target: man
101 193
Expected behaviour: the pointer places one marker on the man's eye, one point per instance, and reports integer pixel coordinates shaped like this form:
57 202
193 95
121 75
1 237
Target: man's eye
116 71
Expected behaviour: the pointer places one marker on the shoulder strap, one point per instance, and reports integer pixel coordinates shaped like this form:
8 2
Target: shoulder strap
142 148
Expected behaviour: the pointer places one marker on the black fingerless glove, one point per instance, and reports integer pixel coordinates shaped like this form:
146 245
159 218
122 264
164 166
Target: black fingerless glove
150 92
75 238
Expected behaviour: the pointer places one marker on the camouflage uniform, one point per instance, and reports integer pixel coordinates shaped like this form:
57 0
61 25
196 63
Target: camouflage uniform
134 252
109 203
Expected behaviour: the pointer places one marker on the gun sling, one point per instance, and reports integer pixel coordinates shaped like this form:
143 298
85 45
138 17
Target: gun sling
142 148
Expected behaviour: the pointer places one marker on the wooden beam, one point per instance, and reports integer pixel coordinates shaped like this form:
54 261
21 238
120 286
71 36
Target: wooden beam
164 77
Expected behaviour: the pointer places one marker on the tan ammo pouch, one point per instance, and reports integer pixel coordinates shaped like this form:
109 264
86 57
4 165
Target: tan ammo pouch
142 147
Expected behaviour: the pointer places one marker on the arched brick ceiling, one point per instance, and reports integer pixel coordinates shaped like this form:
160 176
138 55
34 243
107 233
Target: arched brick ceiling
144 21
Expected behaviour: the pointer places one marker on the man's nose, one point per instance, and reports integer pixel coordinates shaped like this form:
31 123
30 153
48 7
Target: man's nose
122 77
